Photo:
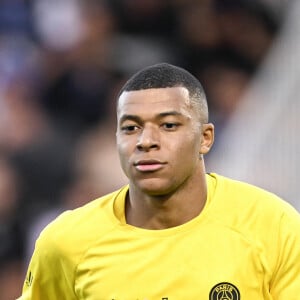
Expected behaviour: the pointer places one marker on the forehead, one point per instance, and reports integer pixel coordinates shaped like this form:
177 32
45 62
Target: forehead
154 101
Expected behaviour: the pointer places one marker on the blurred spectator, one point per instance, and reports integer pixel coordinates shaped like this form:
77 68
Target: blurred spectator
39 153
77 73
225 80
9 197
146 34
57 24
208 28
145 17
246 27
198 25
19 57
22 119
11 236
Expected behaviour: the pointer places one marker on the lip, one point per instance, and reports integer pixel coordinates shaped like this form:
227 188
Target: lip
148 165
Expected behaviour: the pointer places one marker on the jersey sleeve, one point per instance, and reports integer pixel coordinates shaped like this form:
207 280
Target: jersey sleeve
285 283
50 274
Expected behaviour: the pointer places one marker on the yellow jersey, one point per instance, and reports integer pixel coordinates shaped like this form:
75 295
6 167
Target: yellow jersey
244 245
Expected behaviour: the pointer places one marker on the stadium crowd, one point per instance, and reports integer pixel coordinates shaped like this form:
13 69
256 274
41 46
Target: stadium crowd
61 65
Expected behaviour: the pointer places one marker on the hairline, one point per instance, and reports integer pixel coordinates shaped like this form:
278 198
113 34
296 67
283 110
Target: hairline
156 77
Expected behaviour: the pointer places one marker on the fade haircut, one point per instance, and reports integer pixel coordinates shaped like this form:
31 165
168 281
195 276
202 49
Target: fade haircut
164 75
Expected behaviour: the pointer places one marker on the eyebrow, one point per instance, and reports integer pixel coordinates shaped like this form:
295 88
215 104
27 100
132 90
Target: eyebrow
137 119
130 117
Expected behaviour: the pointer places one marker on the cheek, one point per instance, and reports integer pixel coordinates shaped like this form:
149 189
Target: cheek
124 152
184 157
188 147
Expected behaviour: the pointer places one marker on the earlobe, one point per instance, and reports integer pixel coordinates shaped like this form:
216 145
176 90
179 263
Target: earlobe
207 138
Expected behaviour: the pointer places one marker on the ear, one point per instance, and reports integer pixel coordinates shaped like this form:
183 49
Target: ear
207 138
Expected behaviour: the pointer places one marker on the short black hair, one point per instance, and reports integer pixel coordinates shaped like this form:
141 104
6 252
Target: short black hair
165 75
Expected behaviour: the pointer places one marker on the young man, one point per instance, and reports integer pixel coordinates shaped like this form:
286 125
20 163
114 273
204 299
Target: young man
174 232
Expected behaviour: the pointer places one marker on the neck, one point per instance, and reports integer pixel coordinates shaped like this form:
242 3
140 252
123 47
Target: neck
166 211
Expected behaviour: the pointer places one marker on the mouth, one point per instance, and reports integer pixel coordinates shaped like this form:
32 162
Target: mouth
148 165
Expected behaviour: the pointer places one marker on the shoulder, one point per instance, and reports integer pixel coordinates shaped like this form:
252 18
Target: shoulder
74 230
245 195
249 208
261 218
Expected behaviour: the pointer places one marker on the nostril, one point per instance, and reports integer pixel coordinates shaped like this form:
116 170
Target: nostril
145 146
139 146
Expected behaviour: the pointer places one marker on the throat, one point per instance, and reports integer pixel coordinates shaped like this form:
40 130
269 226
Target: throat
157 214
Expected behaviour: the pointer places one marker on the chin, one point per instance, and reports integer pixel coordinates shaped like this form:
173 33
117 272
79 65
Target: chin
154 187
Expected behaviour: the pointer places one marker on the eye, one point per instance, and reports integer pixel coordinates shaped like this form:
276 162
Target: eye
129 128
170 126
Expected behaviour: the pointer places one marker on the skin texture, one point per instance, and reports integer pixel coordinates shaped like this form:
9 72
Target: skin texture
161 143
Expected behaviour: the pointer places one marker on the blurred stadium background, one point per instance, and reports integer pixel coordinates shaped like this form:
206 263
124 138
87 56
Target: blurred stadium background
62 63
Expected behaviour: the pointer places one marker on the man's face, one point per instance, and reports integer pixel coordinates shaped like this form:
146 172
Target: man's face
159 138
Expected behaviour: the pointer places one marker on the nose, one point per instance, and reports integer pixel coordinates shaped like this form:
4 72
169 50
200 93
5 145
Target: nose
148 139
